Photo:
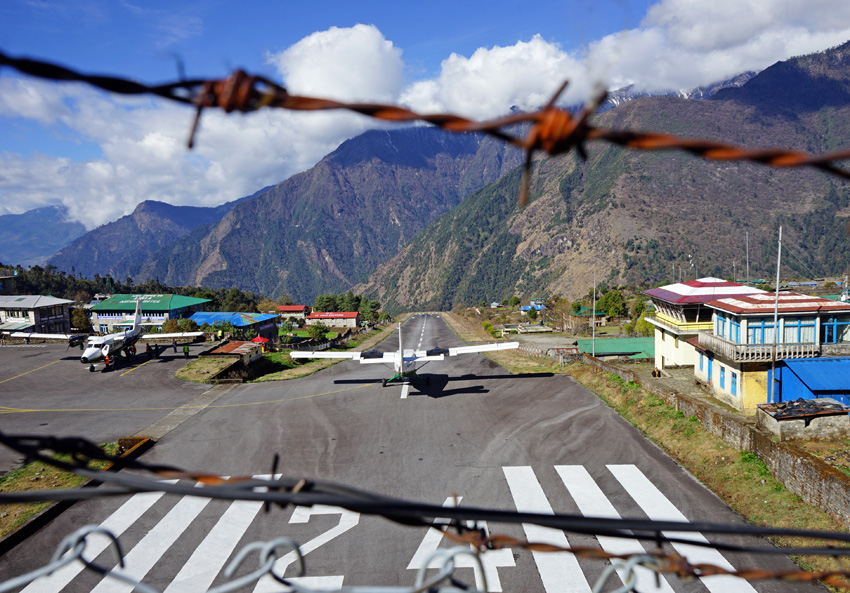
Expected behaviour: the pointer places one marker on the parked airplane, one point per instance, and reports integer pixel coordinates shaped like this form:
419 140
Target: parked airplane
405 361
106 348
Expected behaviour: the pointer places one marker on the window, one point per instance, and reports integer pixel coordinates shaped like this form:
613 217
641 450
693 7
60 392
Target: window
721 327
800 330
836 329
734 384
760 331
735 331
722 377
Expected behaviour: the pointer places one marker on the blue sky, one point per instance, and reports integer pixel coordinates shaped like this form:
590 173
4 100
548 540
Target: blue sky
101 155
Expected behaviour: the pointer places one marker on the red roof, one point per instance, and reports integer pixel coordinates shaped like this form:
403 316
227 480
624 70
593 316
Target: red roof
291 308
700 291
789 302
260 340
333 315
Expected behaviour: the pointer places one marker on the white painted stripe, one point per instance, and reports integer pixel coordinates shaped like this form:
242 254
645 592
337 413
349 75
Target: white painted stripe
150 549
658 507
559 571
592 502
348 519
209 557
118 522
491 560
405 389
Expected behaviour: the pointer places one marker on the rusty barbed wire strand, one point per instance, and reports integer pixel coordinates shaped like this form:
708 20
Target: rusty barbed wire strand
300 491
552 130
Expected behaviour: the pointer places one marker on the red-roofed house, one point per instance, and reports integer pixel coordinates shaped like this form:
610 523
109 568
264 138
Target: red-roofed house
735 357
681 313
335 318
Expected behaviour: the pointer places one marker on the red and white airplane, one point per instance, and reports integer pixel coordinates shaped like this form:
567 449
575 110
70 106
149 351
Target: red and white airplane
98 348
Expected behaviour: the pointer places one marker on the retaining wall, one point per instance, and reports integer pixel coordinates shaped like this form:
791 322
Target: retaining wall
816 482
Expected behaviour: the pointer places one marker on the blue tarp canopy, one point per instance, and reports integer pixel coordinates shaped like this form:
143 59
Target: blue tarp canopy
822 375
235 319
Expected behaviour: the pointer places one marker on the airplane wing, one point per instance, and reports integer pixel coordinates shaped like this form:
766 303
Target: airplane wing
367 357
69 338
168 336
439 353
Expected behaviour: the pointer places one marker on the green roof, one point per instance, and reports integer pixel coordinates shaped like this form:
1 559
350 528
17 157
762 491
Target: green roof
150 302
624 346
588 312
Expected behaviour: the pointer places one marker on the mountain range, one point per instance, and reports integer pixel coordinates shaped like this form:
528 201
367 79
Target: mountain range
419 218
30 238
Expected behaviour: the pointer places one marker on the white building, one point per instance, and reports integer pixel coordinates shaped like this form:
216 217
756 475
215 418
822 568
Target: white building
35 313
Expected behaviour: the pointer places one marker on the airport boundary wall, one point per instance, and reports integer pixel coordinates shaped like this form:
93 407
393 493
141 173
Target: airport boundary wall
816 482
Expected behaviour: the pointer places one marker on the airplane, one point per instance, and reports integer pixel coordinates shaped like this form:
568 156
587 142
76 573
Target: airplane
404 361
106 348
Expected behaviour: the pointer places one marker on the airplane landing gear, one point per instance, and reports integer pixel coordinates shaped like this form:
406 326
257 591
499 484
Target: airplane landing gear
383 382
91 368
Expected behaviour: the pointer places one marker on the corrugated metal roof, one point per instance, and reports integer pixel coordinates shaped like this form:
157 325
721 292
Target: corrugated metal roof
822 374
235 319
333 315
16 325
30 301
236 347
700 291
611 346
150 302
789 302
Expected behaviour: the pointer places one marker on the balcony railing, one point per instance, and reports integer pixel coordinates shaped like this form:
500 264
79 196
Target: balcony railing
756 352
679 327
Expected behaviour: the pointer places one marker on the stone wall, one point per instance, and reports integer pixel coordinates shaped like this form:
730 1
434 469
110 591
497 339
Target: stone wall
816 482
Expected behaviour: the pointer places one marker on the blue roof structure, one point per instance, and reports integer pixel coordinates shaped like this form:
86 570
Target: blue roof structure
822 375
235 319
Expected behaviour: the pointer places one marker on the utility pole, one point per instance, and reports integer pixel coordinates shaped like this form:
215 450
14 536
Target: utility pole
748 257
593 331
771 393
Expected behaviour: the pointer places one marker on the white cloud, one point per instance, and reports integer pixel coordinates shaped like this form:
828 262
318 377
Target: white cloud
489 82
679 44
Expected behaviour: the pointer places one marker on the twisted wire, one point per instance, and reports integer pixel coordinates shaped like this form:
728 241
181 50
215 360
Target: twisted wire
552 130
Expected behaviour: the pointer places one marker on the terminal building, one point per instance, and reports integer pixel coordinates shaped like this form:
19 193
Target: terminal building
34 313
116 312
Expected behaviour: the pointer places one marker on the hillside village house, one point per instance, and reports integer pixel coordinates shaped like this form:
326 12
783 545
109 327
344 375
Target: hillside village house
293 311
117 311
681 313
342 319
736 354
34 313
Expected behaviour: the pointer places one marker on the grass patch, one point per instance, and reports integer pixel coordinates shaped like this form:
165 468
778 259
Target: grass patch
40 476
203 367
741 479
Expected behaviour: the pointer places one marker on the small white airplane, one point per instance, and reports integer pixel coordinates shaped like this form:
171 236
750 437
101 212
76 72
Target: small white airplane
106 348
405 361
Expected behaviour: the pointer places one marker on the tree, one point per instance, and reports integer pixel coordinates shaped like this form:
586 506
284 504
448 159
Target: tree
638 308
285 299
170 326
532 313
187 325
576 307
266 305
514 301
613 304
318 331
80 320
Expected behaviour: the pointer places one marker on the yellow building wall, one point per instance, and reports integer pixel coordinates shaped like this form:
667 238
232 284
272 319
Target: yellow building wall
754 389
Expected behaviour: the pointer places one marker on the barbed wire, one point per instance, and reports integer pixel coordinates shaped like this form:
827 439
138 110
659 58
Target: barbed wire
458 524
552 130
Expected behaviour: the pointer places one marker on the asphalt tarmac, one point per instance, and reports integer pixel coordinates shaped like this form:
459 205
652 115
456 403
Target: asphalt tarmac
475 436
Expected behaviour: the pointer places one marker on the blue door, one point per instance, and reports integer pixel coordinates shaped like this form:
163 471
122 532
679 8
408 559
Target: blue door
710 360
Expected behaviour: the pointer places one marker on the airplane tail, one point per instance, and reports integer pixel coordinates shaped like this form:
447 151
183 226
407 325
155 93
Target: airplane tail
137 318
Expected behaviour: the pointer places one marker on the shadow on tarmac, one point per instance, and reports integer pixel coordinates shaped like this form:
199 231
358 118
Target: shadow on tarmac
434 386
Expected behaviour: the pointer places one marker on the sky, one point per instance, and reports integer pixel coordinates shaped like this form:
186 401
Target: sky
100 155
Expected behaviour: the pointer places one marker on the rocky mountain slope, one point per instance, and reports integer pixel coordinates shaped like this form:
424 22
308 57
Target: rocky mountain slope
326 229
636 217
31 238
119 248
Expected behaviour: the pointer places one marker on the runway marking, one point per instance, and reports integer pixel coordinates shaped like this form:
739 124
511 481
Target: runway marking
559 571
592 502
405 389
242 405
134 368
658 507
118 522
32 371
